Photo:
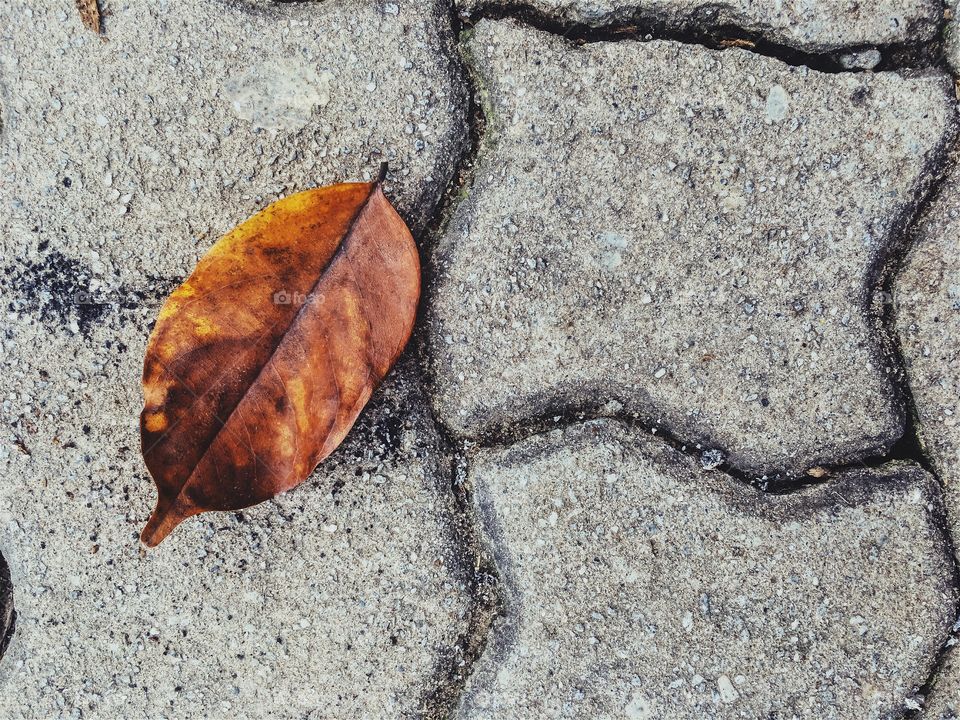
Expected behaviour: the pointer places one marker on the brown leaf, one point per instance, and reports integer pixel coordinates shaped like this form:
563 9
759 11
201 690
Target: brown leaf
261 361
89 14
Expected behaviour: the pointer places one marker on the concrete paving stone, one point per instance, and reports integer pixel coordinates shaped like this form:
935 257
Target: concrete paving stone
343 598
638 585
684 234
811 27
927 314
123 158
135 151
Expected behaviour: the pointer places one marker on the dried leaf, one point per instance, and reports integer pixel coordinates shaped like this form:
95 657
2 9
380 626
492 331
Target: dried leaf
89 14
261 361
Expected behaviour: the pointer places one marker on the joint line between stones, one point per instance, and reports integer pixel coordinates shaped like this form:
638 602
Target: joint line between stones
646 26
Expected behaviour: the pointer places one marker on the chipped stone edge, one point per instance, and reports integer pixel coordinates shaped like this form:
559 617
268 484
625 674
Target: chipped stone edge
8 613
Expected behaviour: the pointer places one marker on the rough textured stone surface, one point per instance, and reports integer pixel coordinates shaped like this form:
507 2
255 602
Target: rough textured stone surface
927 313
343 598
138 150
811 26
689 233
655 230
122 160
640 586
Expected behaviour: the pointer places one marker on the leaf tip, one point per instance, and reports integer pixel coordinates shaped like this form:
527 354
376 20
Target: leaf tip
161 523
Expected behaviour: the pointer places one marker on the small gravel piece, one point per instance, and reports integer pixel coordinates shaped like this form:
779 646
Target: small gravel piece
711 459
861 60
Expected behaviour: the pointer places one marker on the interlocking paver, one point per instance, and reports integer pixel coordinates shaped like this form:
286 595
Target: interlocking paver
640 586
343 598
685 234
123 159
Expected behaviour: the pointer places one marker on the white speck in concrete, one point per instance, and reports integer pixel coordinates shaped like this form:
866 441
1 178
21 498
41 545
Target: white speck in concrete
778 103
728 693
278 94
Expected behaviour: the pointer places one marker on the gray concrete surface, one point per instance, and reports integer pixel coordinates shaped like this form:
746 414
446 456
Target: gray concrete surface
641 586
656 231
123 158
690 235
927 314
809 26
188 117
942 701
951 37
344 598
